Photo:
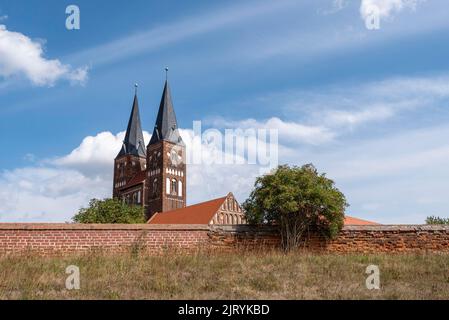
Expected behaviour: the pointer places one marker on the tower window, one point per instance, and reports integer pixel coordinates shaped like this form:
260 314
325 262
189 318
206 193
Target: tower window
180 188
154 187
167 186
174 187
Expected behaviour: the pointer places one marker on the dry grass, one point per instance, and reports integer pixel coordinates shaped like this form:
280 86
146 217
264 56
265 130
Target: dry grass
270 275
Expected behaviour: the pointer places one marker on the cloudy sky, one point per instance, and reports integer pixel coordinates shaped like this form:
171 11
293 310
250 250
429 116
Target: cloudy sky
368 107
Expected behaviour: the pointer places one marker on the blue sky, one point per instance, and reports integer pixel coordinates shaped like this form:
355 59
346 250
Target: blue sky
369 107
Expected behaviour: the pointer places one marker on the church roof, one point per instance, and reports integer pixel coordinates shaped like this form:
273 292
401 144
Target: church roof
351 221
166 127
137 179
200 213
133 143
203 213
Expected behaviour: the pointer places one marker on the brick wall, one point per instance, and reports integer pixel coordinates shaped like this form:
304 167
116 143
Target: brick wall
355 239
403 238
49 239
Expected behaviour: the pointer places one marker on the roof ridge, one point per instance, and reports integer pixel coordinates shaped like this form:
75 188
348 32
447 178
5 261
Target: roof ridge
197 204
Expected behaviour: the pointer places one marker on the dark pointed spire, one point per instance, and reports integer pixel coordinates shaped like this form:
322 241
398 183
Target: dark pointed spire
134 143
166 127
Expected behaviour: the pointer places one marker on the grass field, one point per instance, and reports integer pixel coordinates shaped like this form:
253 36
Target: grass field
270 275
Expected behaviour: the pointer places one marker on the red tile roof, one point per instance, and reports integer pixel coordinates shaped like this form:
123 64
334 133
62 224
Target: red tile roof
350 221
200 213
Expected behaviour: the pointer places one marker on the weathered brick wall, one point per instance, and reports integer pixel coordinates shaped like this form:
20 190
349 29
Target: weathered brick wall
402 238
49 239
361 239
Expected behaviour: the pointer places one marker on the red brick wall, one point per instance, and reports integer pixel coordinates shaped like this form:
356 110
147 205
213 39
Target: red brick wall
404 238
352 239
49 239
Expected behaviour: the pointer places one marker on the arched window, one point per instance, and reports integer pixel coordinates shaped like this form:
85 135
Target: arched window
180 188
174 187
154 187
167 185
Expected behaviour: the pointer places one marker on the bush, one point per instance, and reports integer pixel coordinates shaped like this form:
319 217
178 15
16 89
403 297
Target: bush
109 211
437 220
297 199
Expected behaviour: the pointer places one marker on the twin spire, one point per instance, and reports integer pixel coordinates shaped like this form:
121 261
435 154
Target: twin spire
166 127
134 143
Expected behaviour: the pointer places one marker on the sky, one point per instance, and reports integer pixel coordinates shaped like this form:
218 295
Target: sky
369 107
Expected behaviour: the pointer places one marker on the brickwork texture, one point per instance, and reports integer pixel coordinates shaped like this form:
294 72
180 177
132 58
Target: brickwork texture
51 239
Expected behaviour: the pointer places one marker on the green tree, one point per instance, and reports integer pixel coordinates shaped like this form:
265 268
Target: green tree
437 220
297 200
109 211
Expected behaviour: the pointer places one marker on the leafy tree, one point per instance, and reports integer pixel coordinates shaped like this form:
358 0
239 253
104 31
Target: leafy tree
437 220
109 211
297 199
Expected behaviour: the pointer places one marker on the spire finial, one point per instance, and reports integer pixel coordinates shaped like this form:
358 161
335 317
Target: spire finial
135 88
166 73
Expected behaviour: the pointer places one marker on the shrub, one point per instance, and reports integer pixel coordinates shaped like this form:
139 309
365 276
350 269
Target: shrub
109 211
437 220
297 199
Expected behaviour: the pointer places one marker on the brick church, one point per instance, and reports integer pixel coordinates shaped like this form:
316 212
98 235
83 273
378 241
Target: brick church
154 176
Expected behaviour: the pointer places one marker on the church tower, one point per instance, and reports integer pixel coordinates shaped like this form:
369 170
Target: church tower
166 167
131 159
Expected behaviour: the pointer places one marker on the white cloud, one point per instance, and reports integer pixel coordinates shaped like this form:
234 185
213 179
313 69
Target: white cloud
399 178
46 194
54 189
386 8
289 131
3 18
353 118
322 114
379 101
95 155
20 55
337 5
